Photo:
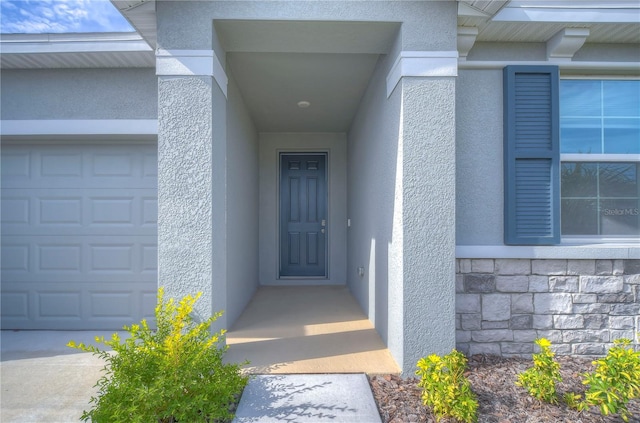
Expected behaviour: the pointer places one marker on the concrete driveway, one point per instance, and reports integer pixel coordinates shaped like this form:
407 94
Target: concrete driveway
42 380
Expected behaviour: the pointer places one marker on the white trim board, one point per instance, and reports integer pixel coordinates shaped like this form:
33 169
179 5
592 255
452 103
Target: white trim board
570 157
422 64
621 250
191 63
563 64
79 127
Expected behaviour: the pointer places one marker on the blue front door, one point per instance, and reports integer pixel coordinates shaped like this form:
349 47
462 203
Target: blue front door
303 215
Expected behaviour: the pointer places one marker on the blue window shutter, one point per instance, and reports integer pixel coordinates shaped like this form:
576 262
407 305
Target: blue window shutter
531 155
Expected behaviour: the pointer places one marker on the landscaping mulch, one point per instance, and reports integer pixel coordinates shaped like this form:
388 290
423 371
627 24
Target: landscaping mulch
500 400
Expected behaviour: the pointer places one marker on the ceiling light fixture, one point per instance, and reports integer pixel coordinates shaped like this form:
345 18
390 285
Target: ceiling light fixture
303 104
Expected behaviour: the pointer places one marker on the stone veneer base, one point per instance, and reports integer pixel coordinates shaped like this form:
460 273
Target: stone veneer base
581 306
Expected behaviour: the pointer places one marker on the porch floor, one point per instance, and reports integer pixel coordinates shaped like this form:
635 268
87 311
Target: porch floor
314 329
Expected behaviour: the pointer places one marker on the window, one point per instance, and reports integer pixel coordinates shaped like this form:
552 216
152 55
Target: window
600 157
571 156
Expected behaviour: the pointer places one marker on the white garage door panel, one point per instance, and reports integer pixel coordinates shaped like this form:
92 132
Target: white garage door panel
75 307
78 258
79 237
58 211
95 166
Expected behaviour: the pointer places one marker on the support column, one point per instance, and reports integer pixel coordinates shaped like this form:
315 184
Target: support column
427 84
191 179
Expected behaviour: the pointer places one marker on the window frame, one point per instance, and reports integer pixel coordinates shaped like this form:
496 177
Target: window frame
595 158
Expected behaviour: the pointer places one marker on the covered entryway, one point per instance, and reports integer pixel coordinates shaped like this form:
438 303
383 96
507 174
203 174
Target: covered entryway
79 238
373 89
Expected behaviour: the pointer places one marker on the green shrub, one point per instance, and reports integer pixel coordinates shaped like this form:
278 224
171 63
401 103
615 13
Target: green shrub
172 374
615 381
540 380
445 388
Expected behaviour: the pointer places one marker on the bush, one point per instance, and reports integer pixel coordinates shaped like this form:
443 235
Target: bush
172 374
540 380
445 388
615 381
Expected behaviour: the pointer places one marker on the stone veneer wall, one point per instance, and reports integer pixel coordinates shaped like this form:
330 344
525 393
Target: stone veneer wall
581 306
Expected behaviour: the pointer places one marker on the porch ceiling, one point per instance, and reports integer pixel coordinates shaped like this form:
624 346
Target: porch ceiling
272 85
278 64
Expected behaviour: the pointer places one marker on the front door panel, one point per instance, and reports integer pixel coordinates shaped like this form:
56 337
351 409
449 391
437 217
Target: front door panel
303 215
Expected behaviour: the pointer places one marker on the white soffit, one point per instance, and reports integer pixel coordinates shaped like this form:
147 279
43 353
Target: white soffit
570 11
141 14
24 51
484 7
467 10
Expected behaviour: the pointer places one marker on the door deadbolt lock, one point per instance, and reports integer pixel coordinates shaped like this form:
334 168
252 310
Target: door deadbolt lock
323 223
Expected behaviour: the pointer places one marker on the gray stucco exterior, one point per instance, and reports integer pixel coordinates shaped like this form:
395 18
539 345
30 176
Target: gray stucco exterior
479 186
242 206
415 176
390 207
375 207
185 186
79 94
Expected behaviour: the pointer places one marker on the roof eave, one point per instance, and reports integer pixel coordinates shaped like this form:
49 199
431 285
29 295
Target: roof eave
141 14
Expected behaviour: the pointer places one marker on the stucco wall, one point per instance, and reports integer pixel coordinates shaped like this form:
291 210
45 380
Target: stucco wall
79 94
373 179
402 211
191 21
479 186
612 52
186 168
271 144
242 205
428 144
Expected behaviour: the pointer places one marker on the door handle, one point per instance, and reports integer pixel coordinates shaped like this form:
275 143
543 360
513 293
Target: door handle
322 230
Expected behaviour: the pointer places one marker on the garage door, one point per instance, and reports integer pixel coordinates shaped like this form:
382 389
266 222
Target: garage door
79 237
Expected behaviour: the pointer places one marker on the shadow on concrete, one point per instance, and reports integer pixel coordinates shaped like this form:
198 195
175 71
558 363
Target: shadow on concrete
316 329
268 401
307 398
